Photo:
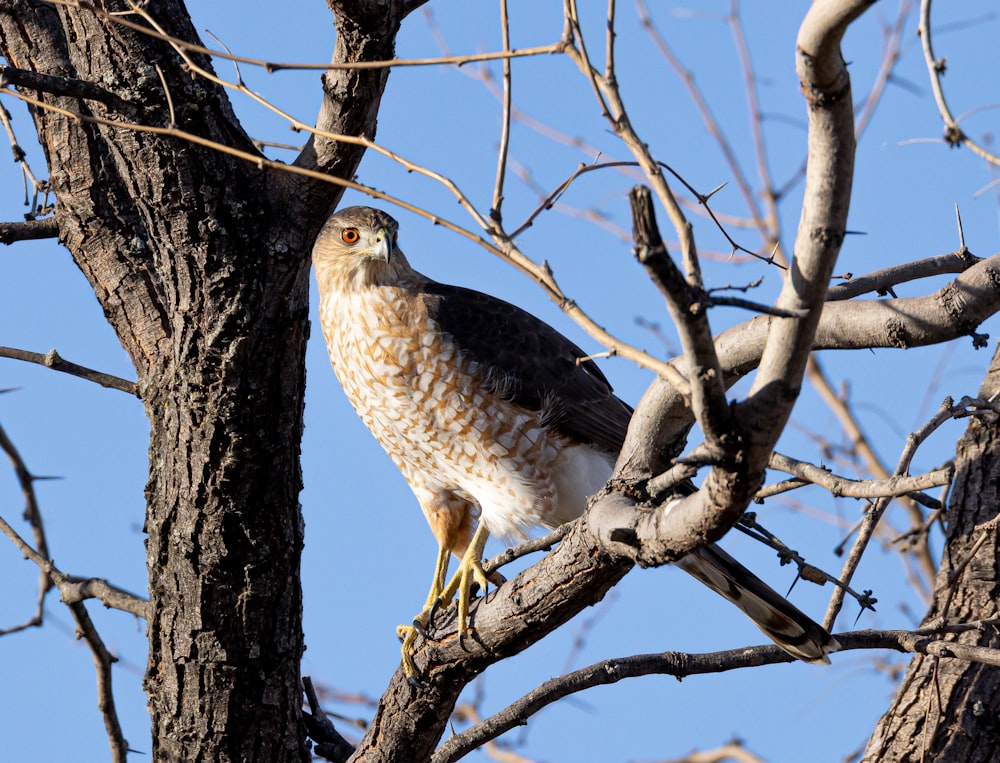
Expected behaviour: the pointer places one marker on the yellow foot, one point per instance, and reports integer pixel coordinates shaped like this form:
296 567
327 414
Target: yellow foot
470 572
408 635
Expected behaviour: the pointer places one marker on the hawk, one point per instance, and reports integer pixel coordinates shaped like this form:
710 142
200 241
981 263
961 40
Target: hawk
497 421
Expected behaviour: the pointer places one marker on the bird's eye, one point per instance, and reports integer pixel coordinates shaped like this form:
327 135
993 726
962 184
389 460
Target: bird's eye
350 235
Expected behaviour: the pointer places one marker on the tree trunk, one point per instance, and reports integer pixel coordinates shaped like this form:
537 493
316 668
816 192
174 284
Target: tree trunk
200 260
946 709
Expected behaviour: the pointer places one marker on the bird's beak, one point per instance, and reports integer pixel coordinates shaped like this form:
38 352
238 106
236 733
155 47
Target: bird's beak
382 248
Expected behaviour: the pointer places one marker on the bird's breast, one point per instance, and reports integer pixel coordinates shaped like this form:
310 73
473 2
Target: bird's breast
425 401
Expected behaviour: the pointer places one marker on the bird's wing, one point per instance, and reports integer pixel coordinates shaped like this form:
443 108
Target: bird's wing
526 361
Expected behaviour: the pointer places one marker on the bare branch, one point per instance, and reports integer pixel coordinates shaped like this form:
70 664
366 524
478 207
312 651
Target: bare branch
495 213
953 133
749 525
330 745
74 590
33 516
882 281
688 310
275 66
38 188
848 488
62 86
29 230
827 88
681 665
103 660
53 360
946 412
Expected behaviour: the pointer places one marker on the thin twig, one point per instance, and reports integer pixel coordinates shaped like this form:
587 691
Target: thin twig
33 516
73 589
947 411
274 66
495 212
53 360
953 134
103 660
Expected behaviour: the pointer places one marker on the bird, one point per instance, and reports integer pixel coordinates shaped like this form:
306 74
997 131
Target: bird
498 422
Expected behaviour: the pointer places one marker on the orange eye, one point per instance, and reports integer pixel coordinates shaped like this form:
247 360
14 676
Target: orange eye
350 235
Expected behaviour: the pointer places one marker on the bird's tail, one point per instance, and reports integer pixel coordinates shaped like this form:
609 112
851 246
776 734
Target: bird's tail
779 619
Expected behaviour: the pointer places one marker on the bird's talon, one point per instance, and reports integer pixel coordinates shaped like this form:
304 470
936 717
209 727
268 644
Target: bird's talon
419 628
434 608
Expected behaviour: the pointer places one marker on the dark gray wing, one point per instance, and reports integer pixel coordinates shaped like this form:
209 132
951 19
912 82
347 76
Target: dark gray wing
526 361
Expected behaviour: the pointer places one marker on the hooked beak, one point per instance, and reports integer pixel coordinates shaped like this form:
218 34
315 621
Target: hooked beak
382 248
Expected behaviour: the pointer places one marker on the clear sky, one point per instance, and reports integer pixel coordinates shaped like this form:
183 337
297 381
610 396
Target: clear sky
448 119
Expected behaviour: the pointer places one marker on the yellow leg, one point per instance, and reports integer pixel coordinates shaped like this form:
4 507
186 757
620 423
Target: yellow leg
408 633
470 570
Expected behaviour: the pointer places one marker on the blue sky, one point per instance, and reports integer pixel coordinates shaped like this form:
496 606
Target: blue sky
369 553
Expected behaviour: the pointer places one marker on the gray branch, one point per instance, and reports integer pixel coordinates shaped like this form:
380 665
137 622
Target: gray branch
53 360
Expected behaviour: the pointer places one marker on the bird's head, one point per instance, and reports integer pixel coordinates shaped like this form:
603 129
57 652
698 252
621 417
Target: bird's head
356 249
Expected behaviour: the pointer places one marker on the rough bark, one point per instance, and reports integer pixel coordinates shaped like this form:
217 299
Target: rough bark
200 261
945 709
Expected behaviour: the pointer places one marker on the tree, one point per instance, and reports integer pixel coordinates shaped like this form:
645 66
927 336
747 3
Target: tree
197 248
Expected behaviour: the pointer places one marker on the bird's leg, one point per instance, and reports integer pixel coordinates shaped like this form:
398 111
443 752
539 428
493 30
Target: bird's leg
470 570
408 633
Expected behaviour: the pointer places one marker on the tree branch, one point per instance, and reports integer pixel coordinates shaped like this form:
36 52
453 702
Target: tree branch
882 281
953 134
33 516
103 660
843 487
689 312
681 665
957 309
946 412
53 360
62 86
29 230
